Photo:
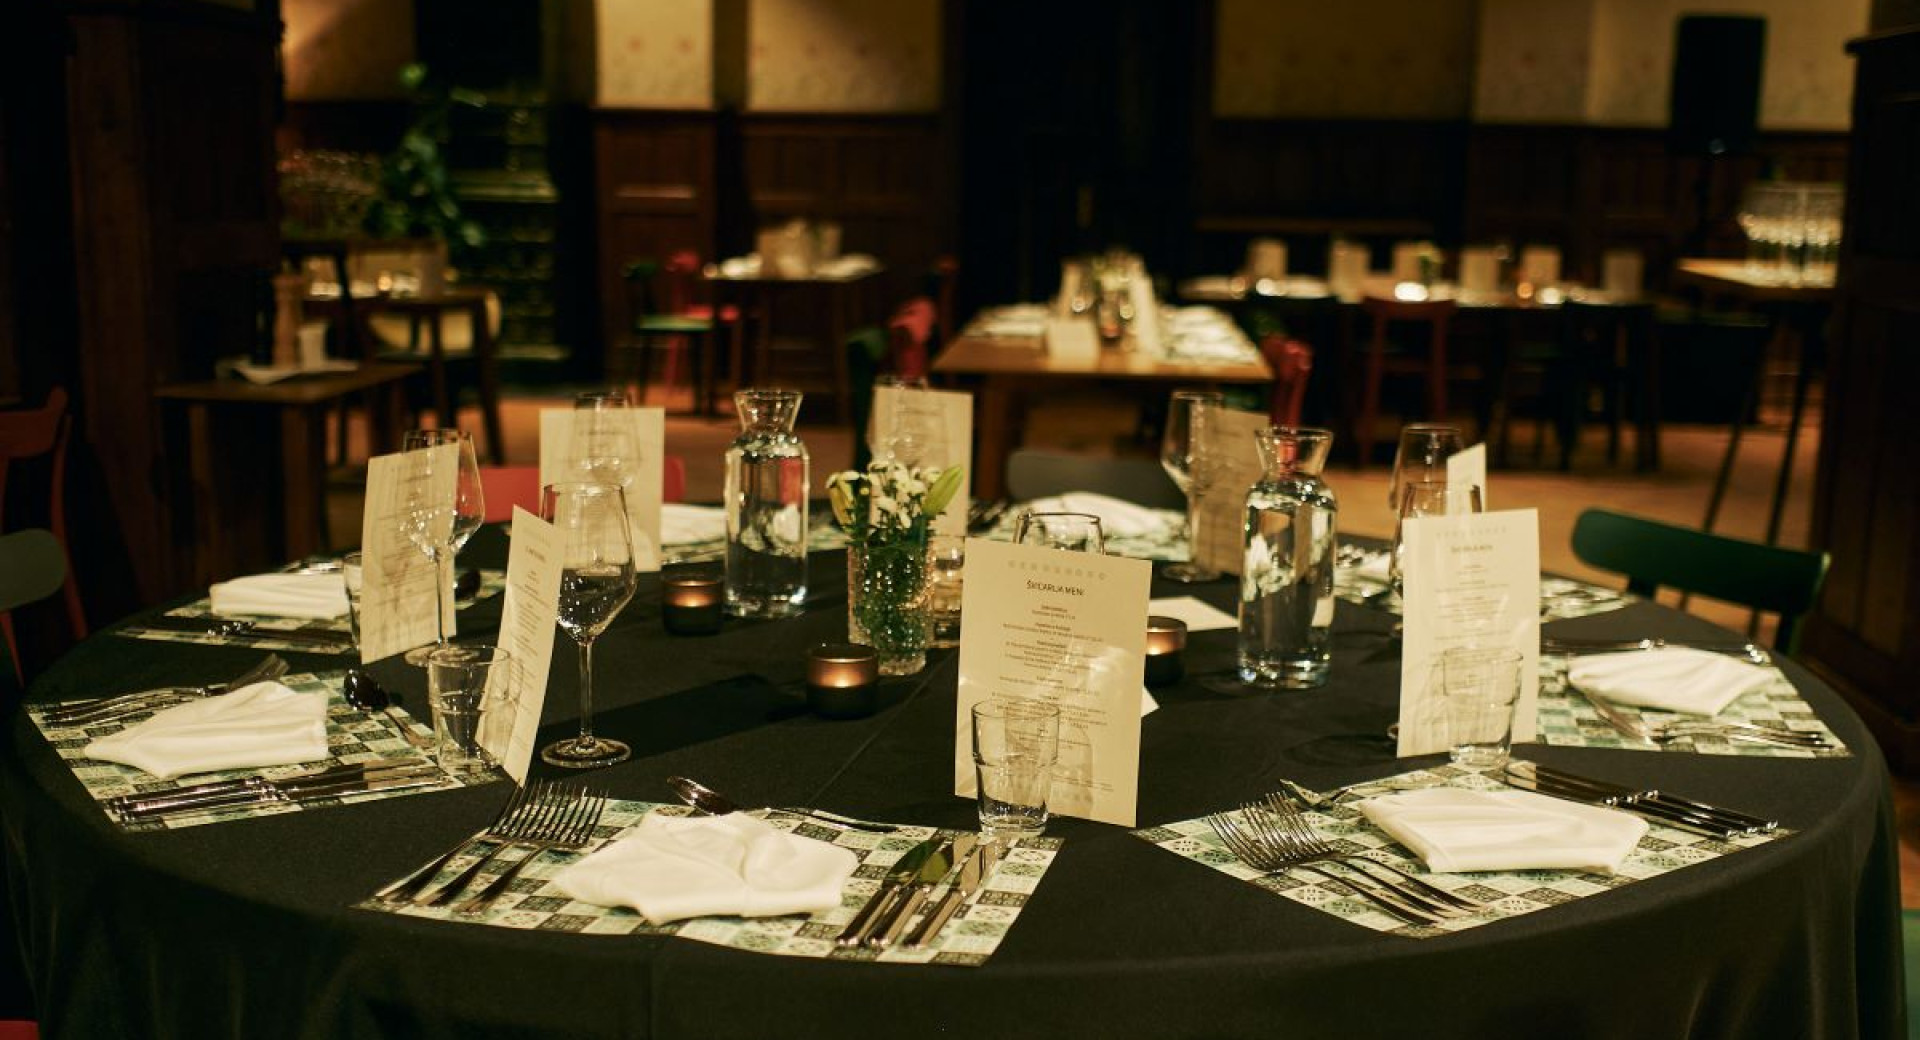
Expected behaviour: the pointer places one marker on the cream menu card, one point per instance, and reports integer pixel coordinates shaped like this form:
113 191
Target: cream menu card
643 492
1067 628
529 612
1472 580
397 594
1234 454
1468 468
943 421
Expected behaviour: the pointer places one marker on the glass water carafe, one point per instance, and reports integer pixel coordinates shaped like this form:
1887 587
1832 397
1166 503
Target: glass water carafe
766 496
1286 578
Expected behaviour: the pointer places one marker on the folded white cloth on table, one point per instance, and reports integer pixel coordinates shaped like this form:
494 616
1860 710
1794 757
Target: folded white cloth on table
1672 678
265 724
322 595
1376 567
673 868
1116 516
1454 830
684 525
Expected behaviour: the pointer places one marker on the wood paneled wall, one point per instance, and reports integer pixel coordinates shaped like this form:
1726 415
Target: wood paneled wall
1865 634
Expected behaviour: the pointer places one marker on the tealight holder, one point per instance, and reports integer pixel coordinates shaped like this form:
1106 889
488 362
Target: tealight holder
843 680
691 602
1166 650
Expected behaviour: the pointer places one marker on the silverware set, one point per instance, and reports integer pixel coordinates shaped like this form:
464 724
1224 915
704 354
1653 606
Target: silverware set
333 782
905 910
540 818
1685 729
320 641
109 709
1271 835
1653 803
1749 652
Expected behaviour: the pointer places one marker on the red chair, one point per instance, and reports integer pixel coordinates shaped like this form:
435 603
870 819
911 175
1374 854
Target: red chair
947 270
1379 362
509 486
676 320
42 434
1292 362
907 336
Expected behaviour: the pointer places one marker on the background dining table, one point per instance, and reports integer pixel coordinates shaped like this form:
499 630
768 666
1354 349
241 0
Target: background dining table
245 928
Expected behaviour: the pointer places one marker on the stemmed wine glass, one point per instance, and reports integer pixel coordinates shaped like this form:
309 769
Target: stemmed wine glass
1422 455
602 449
597 579
444 506
1074 532
1427 498
1184 455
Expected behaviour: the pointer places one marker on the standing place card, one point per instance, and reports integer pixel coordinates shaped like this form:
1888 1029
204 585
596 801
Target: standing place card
1070 629
528 615
643 493
1468 468
1073 341
948 417
397 594
1230 439
1472 580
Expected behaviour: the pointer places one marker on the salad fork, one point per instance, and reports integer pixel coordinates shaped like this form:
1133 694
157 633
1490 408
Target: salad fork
1280 822
570 829
512 817
1269 859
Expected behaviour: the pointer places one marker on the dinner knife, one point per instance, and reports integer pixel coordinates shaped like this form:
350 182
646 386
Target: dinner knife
329 775
903 871
934 871
422 776
1750 824
1664 813
972 872
340 641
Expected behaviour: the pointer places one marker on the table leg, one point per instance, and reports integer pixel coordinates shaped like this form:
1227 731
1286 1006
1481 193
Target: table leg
1748 401
489 384
1802 376
303 468
997 435
208 518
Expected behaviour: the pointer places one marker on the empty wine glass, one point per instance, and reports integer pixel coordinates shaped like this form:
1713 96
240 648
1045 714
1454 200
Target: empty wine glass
1075 532
912 432
597 579
444 506
602 448
1185 455
1427 498
1422 455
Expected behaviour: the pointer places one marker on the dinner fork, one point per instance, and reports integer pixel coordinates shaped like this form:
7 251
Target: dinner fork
567 831
546 805
1278 820
104 709
1273 860
1680 729
511 818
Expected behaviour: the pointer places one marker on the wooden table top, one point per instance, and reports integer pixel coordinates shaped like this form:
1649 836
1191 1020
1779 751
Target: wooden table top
1738 278
299 390
1008 355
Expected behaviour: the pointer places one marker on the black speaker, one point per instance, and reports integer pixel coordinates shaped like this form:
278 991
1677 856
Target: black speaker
1716 83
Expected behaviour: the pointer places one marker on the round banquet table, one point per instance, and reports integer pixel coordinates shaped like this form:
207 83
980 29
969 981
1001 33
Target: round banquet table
243 928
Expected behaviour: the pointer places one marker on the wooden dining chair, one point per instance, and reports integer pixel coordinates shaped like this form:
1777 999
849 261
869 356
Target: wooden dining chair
36 440
1292 362
667 313
1653 555
909 334
1381 359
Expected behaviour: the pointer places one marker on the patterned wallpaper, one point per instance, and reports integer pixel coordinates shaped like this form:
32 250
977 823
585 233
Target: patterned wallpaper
843 55
1391 59
655 53
346 50
1534 61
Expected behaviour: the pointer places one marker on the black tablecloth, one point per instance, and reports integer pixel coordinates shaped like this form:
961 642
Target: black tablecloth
242 928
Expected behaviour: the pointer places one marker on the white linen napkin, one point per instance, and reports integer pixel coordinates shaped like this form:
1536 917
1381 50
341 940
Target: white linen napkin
1458 831
322 595
673 868
1672 678
1117 517
265 724
684 524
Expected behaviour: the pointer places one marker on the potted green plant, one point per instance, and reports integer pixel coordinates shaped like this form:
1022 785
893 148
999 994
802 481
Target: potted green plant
416 193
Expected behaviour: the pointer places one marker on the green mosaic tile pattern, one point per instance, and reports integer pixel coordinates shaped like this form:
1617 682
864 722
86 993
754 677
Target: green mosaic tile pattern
1566 719
492 583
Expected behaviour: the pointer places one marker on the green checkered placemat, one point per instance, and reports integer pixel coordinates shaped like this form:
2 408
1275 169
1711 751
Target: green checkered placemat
1360 578
1507 893
257 630
352 736
1566 719
532 903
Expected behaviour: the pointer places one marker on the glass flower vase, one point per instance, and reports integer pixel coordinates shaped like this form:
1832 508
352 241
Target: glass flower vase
887 602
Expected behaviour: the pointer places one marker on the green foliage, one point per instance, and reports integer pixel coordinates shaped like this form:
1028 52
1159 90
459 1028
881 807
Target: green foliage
416 193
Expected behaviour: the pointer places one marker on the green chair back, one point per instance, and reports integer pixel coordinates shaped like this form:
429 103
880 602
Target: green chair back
1653 554
32 567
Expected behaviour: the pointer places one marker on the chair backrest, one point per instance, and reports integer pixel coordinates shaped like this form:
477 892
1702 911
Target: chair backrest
43 433
907 336
947 270
682 276
1292 362
509 486
1653 554
1033 473
33 566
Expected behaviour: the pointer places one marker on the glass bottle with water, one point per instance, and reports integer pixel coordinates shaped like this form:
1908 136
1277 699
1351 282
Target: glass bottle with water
766 501
1286 579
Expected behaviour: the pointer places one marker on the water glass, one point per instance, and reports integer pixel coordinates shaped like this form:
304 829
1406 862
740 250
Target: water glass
1074 532
1187 457
1015 746
948 555
1481 687
457 680
352 571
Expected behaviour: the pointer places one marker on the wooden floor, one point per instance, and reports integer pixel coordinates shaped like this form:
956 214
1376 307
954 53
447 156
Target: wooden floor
1677 493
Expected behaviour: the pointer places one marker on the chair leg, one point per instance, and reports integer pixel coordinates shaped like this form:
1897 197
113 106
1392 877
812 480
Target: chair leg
1369 403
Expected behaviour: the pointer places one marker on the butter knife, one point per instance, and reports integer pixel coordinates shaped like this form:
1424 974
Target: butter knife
337 641
423 776
934 871
903 871
973 871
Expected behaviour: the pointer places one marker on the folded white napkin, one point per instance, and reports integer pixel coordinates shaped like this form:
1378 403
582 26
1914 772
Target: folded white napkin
673 868
1459 831
322 595
1672 678
684 525
265 724
1116 517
